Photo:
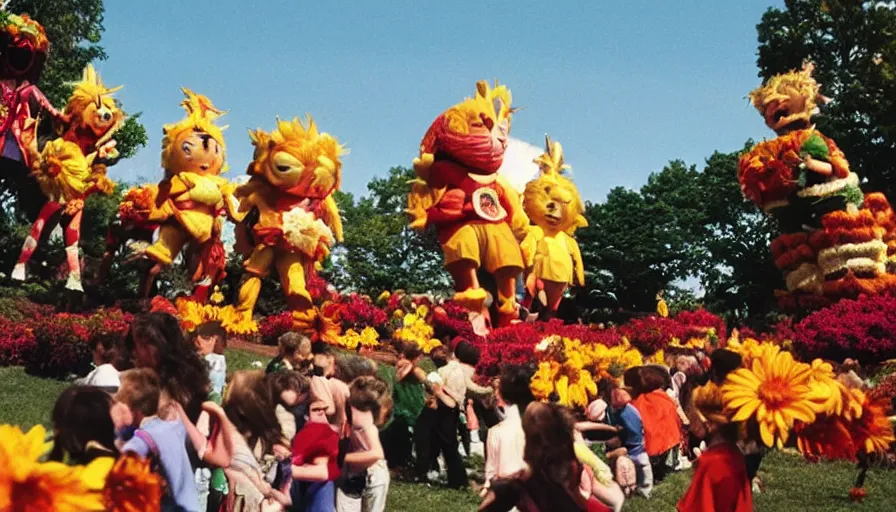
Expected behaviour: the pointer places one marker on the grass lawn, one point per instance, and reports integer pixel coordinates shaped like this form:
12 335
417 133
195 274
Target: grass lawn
791 484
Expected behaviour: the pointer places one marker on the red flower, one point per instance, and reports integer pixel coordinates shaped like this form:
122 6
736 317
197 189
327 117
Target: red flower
857 494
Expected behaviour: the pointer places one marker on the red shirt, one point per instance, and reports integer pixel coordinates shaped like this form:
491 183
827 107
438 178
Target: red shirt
662 426
720 483
317 440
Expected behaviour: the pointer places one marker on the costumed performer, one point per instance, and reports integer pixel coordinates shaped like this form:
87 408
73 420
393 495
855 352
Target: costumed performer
289 218
477 215
192 197
72 167
555 209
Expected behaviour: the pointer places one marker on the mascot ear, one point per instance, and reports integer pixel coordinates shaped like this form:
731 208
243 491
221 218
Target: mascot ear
253 138
581 221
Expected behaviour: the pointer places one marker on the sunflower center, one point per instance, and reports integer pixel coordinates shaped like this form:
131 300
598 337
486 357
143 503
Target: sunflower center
774 393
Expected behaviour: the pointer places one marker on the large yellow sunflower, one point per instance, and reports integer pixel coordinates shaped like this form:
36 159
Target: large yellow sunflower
29 485
131 486
774 391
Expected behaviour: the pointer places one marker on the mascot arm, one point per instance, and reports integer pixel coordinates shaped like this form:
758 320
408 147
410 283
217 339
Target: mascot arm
331 217
451 207
37 98
519 221
578 266
420 199
529 245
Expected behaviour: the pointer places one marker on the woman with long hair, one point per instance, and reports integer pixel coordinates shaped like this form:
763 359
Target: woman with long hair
156 341
554 479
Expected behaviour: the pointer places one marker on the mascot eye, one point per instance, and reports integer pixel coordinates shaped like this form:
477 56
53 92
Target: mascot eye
547 190
285 163
283 168
186 147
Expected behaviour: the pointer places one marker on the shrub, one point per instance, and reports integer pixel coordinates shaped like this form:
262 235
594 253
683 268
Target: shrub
16 339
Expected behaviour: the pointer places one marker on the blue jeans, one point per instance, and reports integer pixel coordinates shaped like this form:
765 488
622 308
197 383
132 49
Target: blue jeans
313 497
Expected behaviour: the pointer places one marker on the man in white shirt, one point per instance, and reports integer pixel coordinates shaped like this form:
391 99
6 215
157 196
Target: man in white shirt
506 441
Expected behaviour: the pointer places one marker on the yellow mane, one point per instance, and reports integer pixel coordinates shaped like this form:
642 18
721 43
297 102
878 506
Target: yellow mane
493 102
201 114
782 86
307 144
91 91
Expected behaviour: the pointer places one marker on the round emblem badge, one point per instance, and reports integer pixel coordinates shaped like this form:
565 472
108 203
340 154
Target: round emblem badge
487 205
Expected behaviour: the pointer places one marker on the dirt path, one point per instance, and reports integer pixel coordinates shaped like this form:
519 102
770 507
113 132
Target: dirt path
255 348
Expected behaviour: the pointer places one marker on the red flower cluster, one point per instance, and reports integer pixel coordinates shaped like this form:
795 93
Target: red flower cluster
357 312
653 333
272 327
862 329
16 339
700 320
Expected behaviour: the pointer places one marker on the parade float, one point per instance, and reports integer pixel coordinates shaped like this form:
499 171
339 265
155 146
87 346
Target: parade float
71 168
475 212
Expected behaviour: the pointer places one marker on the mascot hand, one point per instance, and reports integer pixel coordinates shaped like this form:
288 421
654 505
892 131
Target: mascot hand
108 150
423 162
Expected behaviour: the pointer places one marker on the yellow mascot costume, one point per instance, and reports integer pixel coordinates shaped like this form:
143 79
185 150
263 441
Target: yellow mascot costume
476 213
555 208
290 219
192 196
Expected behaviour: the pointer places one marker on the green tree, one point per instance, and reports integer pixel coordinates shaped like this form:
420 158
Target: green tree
735 269
640 243
380 251
853 45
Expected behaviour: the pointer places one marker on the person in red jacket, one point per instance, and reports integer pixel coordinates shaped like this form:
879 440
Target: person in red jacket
720 482
315 467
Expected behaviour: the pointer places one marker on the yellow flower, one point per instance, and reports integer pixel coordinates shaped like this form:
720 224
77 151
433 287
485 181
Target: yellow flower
409 319
775 391
422 311
542 384
398 314
350 340
383 297
662 309
28 485
369 337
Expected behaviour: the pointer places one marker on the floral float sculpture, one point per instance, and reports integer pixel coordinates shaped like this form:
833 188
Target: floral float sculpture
475 212
290 219
835 242
72 167
131 223
192 197
556 210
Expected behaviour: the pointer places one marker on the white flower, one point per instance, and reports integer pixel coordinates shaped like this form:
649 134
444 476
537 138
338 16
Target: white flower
256 364
544 344
305 232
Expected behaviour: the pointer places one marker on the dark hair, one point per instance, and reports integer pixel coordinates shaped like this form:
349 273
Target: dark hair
514 385
549 444
411 351
466 353
369 393
439 356
724 362
81 415
212 330
183 374
140 391
632 379
654 377
278 382
110 347
248 405
351 366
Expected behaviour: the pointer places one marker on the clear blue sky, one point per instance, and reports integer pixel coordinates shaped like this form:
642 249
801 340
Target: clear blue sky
625 86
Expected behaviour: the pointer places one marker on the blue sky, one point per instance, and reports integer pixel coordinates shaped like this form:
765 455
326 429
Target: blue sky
624 86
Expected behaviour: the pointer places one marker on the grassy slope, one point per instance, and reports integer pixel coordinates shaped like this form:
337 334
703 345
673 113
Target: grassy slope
791 484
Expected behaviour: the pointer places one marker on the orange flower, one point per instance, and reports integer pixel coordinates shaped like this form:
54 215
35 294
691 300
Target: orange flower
131 486
873 432
827 437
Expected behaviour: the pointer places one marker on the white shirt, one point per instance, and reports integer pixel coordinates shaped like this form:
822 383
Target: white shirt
506 442
104 376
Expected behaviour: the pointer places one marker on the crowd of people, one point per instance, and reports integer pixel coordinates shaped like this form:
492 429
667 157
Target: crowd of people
318 430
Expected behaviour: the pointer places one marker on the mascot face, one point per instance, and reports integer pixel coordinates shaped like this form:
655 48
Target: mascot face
474 132
298 159
23 46
92 106
552 201
788 101
195 144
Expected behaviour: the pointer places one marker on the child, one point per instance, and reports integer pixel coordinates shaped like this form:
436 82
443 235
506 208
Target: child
721 483
294 354
371 405
210 340
82 426
315 450
331 390
163 440
105 357
632 436
289 392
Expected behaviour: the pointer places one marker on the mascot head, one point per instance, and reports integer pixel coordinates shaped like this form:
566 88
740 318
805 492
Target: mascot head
23 47
552 201
788 101
194 144
298 159
92 107
472 133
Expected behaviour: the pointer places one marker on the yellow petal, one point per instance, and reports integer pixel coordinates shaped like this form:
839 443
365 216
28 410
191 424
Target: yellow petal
94 475
746 411
766 434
